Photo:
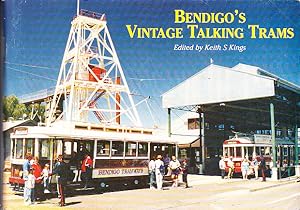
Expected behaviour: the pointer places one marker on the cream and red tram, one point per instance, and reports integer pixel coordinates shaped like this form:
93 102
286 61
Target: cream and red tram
256 145
120 154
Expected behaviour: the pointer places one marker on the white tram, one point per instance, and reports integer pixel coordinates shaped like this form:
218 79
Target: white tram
120 154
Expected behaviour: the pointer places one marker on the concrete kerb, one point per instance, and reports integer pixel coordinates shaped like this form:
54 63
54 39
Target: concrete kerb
278 183
196 180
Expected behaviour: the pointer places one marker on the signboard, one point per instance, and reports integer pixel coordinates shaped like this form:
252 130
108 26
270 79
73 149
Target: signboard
119 172
262 139
21 131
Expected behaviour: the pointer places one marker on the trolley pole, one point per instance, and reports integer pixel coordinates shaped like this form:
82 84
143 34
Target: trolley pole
274 168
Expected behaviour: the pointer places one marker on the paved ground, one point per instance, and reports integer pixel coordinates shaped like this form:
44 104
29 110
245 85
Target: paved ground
207 192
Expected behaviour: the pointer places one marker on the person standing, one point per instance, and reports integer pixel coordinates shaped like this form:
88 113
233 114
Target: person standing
61 170
37 172
151 167
45 176
175 167
166 163
86 170
26 168
262 166
159 171
184 168
245 168
222 166
29 187
254 164
230 165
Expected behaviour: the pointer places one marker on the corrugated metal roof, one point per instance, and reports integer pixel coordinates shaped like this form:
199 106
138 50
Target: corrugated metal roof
217 84
11 124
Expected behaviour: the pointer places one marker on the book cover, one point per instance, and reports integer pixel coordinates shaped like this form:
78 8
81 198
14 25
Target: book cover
194 71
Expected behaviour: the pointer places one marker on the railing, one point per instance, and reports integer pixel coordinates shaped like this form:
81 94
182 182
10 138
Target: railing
38 95
91 14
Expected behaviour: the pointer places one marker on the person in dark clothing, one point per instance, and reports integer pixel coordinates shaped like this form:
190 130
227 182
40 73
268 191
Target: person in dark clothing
184 168
262 166
61 170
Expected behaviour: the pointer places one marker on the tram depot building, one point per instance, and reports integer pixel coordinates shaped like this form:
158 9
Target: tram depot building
218 101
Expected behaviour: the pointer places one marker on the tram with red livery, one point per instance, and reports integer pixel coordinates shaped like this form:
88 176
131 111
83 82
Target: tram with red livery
120 154
249 146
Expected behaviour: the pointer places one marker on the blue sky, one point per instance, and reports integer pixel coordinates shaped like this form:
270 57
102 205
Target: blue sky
36 33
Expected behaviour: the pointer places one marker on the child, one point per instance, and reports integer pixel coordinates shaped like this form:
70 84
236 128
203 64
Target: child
45 176
29 187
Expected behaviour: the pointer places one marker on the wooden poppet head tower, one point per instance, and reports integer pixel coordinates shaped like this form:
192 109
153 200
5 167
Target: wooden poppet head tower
91 83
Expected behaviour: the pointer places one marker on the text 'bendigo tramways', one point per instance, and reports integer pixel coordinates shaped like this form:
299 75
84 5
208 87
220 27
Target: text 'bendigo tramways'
113 172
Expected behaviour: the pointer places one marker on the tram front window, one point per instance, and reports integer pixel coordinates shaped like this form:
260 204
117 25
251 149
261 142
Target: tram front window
231 151
103 148
238 152
143 149
131 149
29 146
226 152
19 149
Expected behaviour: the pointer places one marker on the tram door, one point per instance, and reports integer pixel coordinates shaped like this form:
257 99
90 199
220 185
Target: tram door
82 147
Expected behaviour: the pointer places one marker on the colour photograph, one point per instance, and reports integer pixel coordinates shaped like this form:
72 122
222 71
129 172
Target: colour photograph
146 104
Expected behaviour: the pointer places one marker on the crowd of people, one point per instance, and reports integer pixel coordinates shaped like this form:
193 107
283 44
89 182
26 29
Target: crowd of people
247 167
160 167
37 180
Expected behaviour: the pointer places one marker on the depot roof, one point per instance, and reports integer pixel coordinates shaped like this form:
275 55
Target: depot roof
217 84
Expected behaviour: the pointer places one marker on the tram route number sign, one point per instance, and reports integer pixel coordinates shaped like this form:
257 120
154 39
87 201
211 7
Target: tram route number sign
119 172
262 139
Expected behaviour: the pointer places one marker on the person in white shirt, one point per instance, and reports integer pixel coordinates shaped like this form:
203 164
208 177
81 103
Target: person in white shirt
45 176
222 167
151 168
175 167
254 164
29 187
159 171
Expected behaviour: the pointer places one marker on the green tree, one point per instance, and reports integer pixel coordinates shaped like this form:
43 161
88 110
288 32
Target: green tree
12 108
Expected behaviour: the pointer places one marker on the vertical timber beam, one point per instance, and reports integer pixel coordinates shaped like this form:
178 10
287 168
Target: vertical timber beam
274 169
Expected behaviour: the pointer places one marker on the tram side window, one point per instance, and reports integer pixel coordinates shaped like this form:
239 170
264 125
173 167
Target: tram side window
67 149
103 148
44 149
19 149
117 148
143 149
131 149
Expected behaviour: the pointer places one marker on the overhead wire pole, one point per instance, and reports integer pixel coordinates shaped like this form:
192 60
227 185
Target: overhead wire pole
273 134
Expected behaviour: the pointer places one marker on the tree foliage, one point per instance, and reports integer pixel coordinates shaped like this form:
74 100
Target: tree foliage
13 109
